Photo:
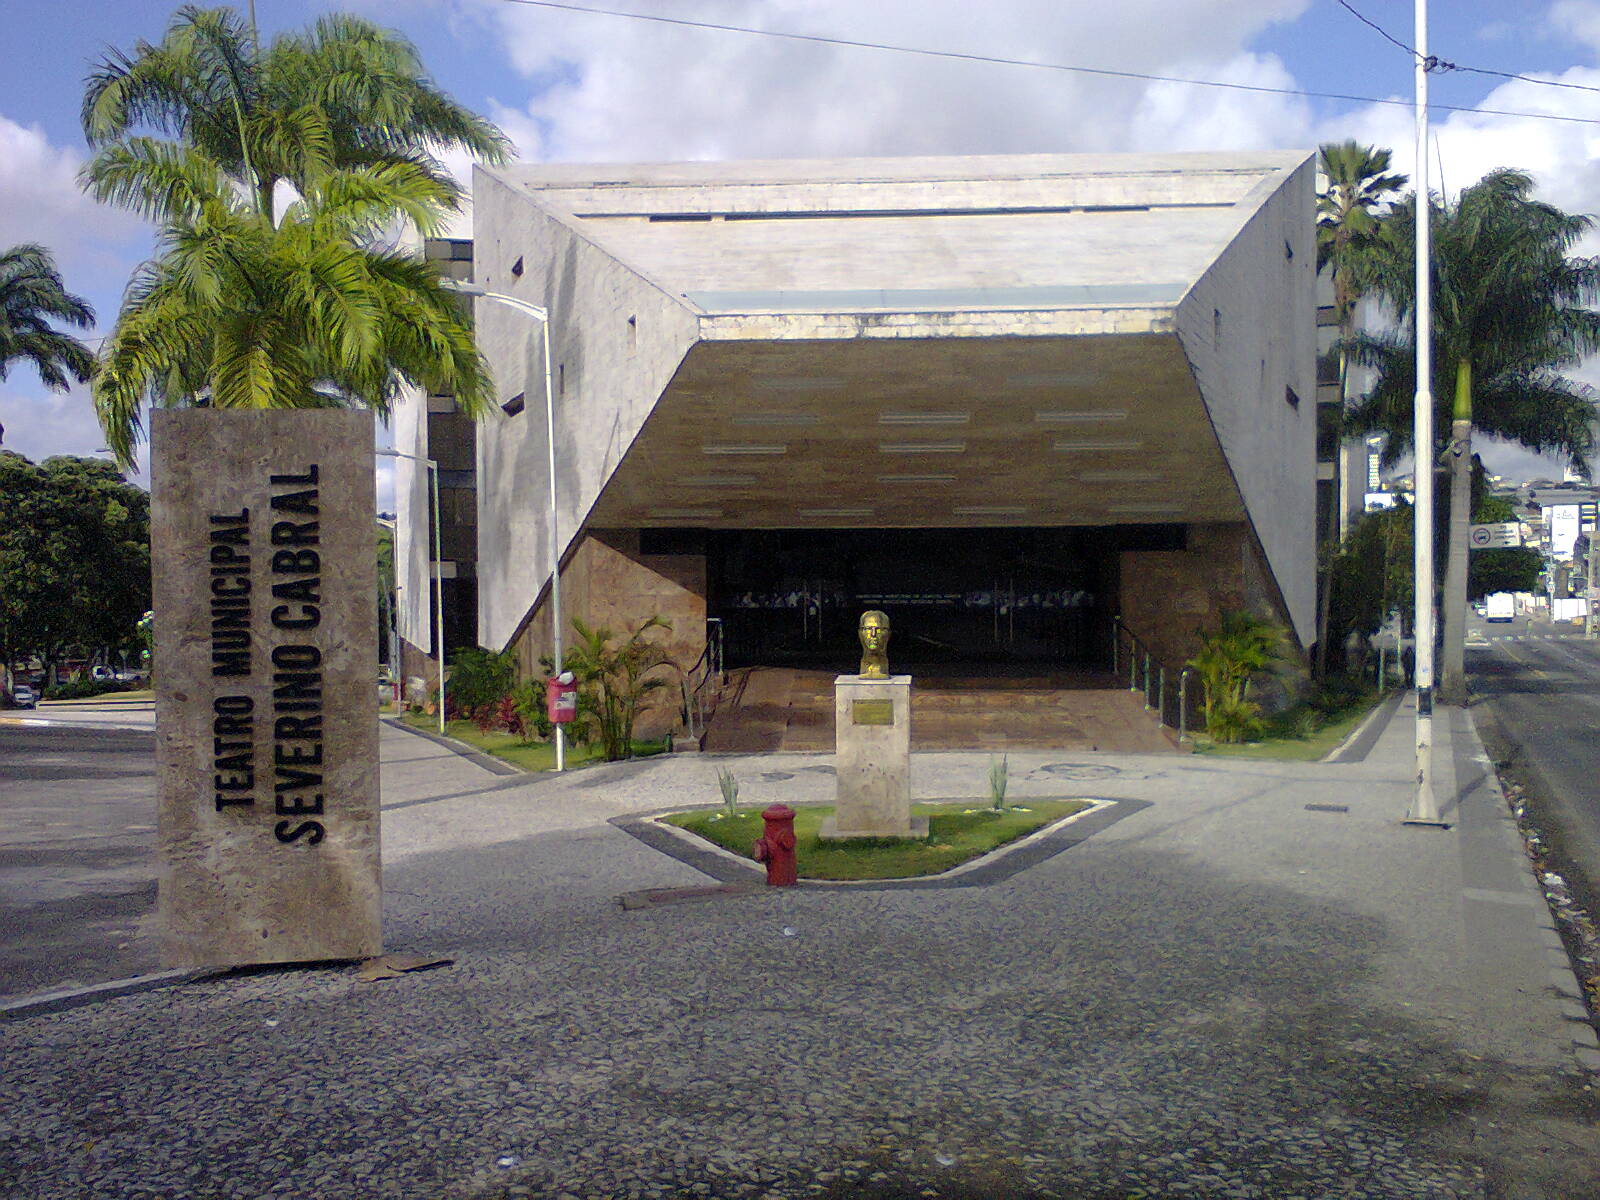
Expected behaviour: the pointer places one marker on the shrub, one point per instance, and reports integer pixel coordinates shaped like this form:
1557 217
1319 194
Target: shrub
480 678
529 701
1227 663
617 679
81 688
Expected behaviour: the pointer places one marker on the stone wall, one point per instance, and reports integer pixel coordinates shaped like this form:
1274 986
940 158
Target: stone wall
608 583
1171 598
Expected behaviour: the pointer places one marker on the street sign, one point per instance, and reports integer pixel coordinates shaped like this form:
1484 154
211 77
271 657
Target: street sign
1495 537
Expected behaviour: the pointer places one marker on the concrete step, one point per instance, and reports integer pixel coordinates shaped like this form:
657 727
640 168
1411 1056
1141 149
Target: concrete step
785 709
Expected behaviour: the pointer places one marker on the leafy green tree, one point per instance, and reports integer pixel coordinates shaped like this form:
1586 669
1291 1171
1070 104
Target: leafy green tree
618 677
31 297
345 93
481 678
74 558
1373 574
1512 569
1509 315
1357 187
251 306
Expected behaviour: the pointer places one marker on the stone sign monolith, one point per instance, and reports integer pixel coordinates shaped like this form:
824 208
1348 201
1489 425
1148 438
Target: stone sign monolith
263 562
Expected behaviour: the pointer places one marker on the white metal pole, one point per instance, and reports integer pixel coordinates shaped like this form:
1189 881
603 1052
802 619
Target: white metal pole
395 666
438 584
1588 594
555 544
1424 807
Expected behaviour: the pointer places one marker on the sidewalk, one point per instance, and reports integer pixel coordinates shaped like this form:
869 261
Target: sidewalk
1223 993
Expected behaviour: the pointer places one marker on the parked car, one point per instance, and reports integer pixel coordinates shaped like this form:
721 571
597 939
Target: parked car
102 673
23 696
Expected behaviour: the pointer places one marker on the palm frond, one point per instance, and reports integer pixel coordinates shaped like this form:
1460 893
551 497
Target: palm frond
160 180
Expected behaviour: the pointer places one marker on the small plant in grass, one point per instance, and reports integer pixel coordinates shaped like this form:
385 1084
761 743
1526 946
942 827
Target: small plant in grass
998 781
730 792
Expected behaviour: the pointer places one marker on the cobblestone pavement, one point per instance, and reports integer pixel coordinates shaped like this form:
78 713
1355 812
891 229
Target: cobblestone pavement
1223 995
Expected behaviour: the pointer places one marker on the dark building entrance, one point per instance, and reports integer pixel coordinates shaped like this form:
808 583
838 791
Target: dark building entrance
992 599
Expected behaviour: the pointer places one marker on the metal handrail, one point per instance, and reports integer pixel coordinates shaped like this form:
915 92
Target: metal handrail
707 667
1144 668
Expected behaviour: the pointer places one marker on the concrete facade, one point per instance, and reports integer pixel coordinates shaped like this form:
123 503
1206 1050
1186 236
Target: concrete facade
1030 341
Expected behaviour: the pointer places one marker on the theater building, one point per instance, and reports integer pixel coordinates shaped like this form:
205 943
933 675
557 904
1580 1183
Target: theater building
1005 399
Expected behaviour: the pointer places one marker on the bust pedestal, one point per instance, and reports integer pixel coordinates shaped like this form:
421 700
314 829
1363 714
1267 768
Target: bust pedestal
872 722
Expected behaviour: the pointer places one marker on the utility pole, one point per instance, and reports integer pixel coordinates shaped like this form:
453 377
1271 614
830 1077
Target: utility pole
1424 806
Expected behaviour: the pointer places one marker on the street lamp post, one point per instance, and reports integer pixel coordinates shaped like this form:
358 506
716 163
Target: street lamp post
1424 806
438 565
542 315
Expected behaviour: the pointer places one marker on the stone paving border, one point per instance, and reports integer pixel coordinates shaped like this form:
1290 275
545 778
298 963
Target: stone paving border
63 999
1364 737
995 867
488 762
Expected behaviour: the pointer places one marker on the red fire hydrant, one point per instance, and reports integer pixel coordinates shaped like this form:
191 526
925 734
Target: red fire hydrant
776 847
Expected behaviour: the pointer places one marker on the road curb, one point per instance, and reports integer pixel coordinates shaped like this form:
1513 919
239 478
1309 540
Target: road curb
1560 978
63 999
473 755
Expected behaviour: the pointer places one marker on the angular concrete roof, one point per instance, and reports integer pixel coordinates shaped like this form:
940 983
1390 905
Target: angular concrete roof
917 234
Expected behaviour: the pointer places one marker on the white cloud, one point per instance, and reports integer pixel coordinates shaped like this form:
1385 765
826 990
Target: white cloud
1563 156
95 249
614 90
40 202
1578 20
40 423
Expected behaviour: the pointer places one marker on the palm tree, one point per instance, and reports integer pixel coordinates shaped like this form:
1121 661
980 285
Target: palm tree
310 311
346 92
247 306
31 296
1509 315
1356 187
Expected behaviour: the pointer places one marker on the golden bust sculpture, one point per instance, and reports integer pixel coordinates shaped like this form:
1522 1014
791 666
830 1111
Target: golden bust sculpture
874 634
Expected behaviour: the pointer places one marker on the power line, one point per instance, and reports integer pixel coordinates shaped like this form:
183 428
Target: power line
1039 64
1411 50
1439 64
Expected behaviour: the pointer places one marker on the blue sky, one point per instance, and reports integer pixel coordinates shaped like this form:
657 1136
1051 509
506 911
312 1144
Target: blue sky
576 87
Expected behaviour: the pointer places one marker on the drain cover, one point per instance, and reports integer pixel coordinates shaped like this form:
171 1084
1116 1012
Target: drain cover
1079 771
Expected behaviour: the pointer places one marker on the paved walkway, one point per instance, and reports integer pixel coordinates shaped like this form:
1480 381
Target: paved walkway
1259 984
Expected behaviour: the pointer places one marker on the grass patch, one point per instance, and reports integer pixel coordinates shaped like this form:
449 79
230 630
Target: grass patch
1302 734
103 698
530 756
956 833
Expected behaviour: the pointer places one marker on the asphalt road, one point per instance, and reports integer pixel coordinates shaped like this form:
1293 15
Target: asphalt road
1538 697
77 886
